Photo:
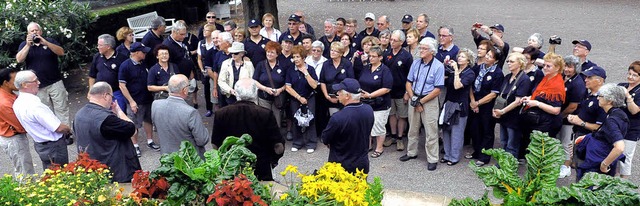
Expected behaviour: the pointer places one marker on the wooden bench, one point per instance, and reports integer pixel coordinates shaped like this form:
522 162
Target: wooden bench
140 24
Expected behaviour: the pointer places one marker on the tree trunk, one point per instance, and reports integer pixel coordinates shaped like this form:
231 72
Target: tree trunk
254 9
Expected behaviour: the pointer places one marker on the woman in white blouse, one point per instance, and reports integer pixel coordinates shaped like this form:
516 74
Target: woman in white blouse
268 31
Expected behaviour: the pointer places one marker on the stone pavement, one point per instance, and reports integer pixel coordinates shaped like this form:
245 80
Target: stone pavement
600 22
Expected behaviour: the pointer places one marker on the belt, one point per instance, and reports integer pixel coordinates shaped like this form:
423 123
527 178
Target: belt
47 142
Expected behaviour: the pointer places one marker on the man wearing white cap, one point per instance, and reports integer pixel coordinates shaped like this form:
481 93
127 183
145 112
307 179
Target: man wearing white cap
369 21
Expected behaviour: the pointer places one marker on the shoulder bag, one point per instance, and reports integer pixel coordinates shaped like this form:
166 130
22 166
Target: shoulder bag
278 101
500 102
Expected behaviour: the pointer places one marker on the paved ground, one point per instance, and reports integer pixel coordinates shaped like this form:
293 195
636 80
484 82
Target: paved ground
601 23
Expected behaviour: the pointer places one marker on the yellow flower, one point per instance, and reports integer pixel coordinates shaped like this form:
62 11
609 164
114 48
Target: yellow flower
101 198
284 196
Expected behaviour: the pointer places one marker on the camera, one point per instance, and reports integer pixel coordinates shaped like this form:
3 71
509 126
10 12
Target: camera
477 25
555 40
36 39
415 101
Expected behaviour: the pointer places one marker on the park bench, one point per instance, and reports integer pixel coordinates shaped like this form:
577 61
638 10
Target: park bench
140 24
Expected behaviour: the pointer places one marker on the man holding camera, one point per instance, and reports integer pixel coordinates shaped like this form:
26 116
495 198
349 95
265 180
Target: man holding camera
40 54
495 33
425 79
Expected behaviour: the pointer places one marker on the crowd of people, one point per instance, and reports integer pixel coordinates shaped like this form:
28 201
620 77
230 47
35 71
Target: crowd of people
356 92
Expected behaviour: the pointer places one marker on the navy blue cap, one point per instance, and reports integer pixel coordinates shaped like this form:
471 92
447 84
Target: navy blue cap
584 43
253 23
287 38
294 17
137 46
407 18
348 84
595 71
498 27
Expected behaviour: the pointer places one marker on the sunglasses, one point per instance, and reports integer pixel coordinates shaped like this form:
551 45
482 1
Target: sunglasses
211 17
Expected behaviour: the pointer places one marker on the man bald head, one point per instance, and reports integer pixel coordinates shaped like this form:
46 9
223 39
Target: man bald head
101 94
178 86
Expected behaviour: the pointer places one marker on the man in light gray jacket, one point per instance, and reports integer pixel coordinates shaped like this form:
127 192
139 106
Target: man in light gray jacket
176 121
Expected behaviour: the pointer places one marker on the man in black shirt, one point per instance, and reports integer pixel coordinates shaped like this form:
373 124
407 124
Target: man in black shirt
495 33
211 19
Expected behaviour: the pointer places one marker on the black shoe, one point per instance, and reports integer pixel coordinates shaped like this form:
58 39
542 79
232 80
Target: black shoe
405 158
195 106
154 146
138 152
432 166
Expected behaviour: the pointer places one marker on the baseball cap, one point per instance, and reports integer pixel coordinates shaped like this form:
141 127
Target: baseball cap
583 42
595 71
137 46
253 23
498 27
348 84
287 38
294 17
407 18
370 16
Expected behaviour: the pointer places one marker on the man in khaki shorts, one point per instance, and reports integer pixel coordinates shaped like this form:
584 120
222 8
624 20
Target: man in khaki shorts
399 62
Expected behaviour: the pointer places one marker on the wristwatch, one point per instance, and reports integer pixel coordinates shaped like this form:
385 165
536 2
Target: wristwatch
583 124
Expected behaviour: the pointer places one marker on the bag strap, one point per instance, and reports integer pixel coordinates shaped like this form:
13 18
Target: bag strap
267 68
171 72
514 84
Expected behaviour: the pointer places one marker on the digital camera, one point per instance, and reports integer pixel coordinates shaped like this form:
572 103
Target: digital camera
415 101
555 40
36 39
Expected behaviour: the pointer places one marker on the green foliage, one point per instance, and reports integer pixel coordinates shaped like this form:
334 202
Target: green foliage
539 184
193 179
484 201
63 20
374 194
133 5
7 189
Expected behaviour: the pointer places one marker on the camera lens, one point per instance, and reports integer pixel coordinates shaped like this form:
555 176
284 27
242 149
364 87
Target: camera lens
36 40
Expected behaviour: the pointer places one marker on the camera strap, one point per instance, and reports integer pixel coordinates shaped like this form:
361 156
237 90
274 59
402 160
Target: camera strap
425 78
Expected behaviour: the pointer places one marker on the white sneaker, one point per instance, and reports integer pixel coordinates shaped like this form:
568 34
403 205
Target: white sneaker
564 171
310 151
293 149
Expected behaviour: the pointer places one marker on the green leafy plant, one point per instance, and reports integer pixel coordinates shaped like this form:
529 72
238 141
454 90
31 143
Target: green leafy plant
484 201
63 20
539 184
235 192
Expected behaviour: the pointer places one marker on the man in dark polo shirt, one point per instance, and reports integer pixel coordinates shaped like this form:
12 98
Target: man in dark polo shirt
40 54
351 28
447 50
407 23
581 49
294 32
211 19
495 33
103 131
225 39
590 114
254 45
399 62
329 37
370 30
133 84
105 67
154 38
422 24
178 52
347 134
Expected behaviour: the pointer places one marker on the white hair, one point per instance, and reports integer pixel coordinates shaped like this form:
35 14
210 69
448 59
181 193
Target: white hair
246 90
226 36
432 43
22 77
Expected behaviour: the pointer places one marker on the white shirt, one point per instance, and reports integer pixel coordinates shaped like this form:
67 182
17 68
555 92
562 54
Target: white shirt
36 118
317 66
275 35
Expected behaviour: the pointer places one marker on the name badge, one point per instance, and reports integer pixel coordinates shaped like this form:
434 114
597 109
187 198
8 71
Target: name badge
590 103
279 71
113 66
488 78
342 71
375 77
399 63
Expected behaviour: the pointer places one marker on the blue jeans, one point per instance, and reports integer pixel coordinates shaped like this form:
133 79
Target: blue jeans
510 140
121 100
453 140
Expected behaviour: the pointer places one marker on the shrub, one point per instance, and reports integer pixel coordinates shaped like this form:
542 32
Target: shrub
62 20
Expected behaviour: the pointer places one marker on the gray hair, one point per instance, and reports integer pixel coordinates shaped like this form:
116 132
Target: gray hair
448 28
176 85
109 40
331 21
384 33
246 89
158 22
573 61
226 36
432 43
376 49
537 37
34 24
100 88
426 17
616 94
22 77
178 26
386 18
317 44
470 55
230 23
400 34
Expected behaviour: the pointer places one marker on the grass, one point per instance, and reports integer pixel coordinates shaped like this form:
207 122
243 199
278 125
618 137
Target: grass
122 7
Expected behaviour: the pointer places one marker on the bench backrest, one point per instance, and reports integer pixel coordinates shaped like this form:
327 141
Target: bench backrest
142 22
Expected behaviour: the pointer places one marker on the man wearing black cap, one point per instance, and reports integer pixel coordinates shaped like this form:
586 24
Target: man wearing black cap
581 49
495 33
105 66
348 130
133 83
369 21
254 45
407 23
293 33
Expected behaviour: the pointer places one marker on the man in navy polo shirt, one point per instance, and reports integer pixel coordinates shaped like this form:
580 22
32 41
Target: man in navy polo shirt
422 23
293 33
225 39
105 67
590 114
351 28
369 21
447 50
329 37
211 20
254 45
348 130
154 38
581 49
407 23
399 62
495 33
40 54
133 84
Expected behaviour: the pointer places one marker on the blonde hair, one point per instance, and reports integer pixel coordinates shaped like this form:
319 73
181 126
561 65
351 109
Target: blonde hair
520 58
556 60
122 33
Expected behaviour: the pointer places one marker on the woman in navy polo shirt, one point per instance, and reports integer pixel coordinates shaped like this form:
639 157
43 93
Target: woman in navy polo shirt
515 86
376 82
632 109
270 77
346 40
334 72
300 82
361 58
485 88
534 73
458 84
575 88
160 73
384 40
602 149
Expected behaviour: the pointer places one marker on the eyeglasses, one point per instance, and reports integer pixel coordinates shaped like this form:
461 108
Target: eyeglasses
109 94
32 81
211 17
316 50
511 61
635 76
444 35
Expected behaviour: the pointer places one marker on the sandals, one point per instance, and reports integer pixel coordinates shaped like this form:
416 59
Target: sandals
443 160
451 163
376 154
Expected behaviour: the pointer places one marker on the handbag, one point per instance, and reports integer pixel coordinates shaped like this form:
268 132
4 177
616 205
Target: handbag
164 94
278 101
531 116
501 103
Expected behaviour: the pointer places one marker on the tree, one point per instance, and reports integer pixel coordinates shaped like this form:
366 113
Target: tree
254 9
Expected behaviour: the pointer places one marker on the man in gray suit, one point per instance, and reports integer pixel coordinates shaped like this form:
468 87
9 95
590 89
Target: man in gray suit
176 121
